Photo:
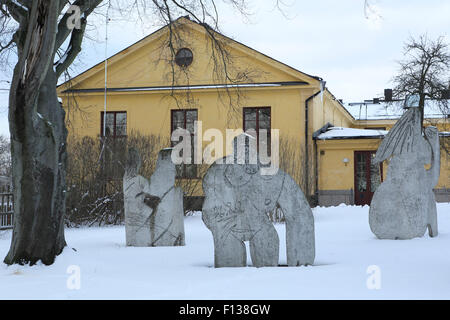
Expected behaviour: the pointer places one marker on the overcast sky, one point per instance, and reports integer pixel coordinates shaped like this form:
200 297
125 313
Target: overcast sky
332 39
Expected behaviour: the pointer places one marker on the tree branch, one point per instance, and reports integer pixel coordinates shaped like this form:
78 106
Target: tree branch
15 10
86 8
6 46
72 51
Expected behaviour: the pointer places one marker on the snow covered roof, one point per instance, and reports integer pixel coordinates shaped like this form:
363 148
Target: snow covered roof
329 132
387 111
350 133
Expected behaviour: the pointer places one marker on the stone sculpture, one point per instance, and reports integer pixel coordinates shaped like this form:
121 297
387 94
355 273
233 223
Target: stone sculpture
237 200
404 206
153 210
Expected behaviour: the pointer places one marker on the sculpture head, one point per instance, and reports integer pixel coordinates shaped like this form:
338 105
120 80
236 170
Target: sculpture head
164 161
411 101
165 155
133 164
165 170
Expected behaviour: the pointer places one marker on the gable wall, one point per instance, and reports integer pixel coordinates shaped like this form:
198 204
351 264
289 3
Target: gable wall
147 64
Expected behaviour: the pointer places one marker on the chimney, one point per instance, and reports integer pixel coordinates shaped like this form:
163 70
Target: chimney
387 95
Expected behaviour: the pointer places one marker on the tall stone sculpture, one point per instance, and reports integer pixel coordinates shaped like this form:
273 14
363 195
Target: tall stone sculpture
153 210
404 206
137 213
237 200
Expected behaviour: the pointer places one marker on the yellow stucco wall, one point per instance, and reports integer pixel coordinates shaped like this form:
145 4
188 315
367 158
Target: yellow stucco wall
149 113
148 63
145 64
327 109
334 174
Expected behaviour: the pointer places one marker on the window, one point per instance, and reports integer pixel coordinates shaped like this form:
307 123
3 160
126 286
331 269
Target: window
184 119
112 148
116 124
258 118
184 57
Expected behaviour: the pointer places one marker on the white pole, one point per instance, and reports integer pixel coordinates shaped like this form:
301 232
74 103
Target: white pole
106 71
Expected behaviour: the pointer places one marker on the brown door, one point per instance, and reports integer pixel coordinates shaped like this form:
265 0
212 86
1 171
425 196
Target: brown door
368 177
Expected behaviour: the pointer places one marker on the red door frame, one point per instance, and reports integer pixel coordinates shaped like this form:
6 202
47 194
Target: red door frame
368 194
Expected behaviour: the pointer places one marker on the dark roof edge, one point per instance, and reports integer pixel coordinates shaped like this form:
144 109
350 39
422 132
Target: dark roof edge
321 130
198 86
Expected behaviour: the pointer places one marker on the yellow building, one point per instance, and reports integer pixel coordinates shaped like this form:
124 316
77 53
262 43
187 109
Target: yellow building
157 85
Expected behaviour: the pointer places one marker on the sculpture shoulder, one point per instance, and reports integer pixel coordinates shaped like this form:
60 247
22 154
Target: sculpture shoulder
290 186
134 184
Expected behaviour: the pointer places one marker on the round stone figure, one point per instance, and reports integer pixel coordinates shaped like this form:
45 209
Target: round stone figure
237 200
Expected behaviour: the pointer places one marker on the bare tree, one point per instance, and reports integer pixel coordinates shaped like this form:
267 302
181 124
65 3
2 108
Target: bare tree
46 41
425 72
36 119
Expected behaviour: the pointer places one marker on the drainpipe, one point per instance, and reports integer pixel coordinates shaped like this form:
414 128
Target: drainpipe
322 87
316 172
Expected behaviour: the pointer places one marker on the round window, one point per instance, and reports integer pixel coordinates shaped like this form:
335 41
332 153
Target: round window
184 57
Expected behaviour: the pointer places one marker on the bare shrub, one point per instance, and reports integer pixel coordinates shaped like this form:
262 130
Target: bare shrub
292 162
94 176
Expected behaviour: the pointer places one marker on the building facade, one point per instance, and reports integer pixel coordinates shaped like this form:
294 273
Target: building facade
179 75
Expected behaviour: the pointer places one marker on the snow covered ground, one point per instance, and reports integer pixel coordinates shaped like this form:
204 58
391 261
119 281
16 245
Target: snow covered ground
345 248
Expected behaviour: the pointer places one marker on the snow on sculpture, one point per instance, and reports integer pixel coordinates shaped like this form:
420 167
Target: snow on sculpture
153 210
404 206
237 200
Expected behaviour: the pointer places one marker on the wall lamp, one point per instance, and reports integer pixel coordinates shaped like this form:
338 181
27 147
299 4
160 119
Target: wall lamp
345 161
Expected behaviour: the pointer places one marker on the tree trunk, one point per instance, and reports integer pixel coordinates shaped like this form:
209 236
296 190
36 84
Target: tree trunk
38 141
39 161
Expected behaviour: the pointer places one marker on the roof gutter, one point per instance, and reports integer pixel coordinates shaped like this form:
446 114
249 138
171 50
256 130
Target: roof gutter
191 87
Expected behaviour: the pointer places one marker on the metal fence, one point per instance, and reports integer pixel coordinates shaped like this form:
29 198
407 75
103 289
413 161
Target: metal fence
6 208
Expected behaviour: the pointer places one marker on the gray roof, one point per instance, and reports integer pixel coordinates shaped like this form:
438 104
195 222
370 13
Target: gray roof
393 110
